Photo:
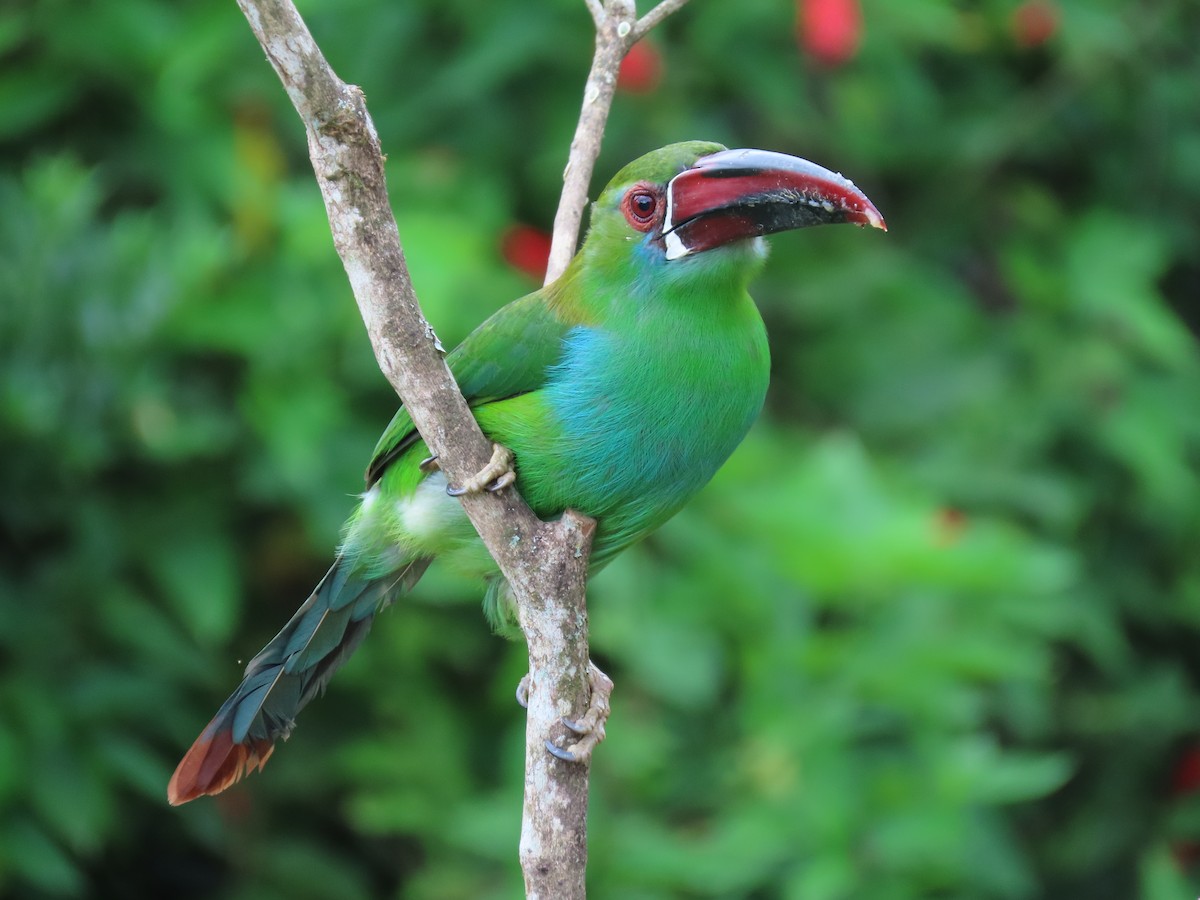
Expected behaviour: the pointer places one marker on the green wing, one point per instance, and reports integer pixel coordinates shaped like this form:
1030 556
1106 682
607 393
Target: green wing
507 355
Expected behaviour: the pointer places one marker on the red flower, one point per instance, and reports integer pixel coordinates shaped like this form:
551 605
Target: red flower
830 30
949 524
1185 780
641 69
526 248
1186 777
1034 22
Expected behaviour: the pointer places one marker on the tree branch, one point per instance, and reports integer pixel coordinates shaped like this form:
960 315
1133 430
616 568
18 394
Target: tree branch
612 31
596 8
545 563
617 29
652 18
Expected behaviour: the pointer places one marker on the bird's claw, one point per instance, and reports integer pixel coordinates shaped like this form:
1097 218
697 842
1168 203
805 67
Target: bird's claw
556 751
496 475
523 691
502 482
430 464
590 726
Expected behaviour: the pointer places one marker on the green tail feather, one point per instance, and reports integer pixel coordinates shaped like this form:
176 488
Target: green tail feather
286 674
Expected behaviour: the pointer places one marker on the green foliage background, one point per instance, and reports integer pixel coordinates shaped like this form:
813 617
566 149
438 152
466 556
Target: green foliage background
931 633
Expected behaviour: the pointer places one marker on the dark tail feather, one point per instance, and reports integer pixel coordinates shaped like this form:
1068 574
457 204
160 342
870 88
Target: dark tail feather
294 667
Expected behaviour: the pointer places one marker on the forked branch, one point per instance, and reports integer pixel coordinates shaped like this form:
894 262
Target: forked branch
617 29
545 563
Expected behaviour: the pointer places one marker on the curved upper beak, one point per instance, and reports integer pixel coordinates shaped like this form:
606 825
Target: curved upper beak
738 194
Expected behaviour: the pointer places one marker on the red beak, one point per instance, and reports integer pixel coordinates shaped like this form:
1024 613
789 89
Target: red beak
736 194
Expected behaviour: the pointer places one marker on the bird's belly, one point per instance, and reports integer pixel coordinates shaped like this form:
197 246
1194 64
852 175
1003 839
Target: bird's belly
619 457
628 458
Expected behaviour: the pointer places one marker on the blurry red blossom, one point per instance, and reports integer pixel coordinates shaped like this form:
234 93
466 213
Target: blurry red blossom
641 69
830 30
1034 22
526 248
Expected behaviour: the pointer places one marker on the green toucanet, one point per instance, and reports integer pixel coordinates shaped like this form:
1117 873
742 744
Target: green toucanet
620 389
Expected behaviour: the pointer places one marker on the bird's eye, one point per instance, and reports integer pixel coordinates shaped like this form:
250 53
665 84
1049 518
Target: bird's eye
640 205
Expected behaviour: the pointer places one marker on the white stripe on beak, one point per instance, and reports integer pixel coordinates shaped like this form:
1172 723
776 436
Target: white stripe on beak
675 246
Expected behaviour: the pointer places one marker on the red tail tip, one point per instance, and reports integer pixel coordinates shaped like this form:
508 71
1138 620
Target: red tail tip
214 763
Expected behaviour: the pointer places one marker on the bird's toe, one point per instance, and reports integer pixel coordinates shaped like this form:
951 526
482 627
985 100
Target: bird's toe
499 473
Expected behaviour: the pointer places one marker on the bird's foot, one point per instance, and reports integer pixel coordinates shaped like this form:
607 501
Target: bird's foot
429 464
590 727
523 691
498 473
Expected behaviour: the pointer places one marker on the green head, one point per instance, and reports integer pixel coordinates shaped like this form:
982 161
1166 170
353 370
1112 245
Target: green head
696 209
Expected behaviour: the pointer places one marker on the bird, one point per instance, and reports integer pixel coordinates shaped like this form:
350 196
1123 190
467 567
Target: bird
617 390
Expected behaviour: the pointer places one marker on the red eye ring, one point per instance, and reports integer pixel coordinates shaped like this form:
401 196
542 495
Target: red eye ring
640 206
